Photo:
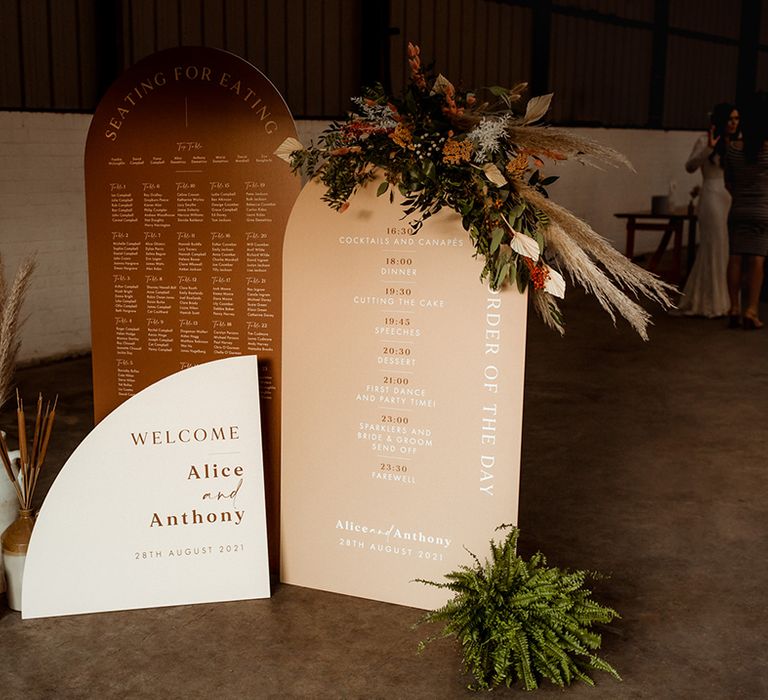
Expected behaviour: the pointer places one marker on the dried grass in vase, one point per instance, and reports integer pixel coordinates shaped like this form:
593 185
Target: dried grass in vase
10 306
31 456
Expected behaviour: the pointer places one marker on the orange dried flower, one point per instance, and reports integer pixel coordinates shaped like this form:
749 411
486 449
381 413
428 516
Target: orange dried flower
455 152
344 150
517 167
402 135
546 152
361 130
395 114
415 64
538 274
451 109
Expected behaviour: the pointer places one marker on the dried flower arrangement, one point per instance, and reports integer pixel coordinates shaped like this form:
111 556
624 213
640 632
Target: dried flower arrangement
31 456
443 147
10 307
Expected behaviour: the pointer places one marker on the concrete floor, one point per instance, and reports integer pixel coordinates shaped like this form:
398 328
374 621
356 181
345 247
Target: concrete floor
645 461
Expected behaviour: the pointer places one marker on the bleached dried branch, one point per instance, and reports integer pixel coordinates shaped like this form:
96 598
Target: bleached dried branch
549 141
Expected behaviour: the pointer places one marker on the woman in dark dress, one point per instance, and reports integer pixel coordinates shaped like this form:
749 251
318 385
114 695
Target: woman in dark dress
746 177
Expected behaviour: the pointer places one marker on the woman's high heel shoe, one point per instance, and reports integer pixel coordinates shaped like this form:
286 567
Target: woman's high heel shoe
752 324
734 321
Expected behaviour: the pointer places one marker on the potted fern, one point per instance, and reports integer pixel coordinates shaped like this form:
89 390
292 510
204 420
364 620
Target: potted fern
521 621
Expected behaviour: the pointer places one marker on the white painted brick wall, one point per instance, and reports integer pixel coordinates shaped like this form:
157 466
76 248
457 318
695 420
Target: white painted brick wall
42 210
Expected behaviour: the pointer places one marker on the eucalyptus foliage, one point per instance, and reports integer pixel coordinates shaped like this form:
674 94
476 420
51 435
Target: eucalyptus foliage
522 621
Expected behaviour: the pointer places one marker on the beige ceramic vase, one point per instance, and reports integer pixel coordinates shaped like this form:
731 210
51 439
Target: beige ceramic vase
15 542
9 508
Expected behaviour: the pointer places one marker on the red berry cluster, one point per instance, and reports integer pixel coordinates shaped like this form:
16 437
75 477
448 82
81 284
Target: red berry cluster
538 273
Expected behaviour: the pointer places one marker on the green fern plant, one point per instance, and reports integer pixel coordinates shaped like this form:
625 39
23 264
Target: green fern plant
520 620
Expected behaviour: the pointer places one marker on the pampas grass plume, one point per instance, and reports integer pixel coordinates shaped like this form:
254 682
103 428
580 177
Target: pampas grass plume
11 300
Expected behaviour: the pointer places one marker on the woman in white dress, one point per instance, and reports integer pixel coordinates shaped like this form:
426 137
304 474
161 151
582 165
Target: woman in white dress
706 290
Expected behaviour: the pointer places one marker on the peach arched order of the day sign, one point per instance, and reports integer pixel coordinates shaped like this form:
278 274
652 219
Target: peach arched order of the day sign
402 400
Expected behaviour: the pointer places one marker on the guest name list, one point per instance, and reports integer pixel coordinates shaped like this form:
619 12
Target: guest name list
188 283
186 208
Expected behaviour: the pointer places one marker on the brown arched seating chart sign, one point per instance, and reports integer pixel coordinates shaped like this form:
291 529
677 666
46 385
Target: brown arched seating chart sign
402 400
186 211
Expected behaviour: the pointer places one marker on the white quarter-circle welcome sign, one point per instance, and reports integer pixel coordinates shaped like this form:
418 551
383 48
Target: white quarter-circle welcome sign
162 504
